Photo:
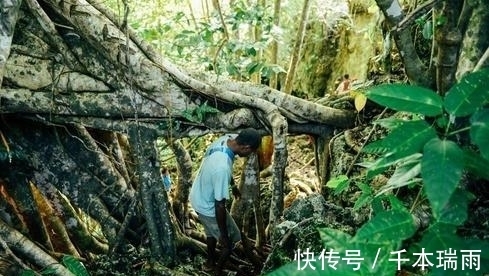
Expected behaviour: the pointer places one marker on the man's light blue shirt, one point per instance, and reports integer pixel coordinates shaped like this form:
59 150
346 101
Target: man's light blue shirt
213 178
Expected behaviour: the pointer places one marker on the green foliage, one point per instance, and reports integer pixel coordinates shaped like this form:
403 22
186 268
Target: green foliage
203 42
74 265
479 131
199 114
372 244
441 165
423 154
401 97
441 170
468 95
338 183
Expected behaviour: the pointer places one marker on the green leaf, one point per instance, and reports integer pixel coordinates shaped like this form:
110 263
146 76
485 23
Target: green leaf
333 238
403 141
339 184
428 30
406 170
442 237
362 201
28 272
207 35
251 51
471 93
475 164
405 173
441 169
396 204
232 69
333 183
440 20
408 98
390 122
392 225
75 266
479 131
340 242
253 67
381 164
456 210
408 138
292 269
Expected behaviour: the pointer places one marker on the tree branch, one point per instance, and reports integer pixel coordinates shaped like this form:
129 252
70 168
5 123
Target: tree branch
416 71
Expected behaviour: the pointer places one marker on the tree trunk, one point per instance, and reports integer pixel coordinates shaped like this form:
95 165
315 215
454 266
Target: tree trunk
296 51
182 191
154 197
274 50
416 71
83 100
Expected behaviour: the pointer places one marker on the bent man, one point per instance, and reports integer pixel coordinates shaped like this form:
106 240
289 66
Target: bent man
210 191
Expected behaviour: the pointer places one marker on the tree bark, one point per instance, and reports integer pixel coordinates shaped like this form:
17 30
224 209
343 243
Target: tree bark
182 191
154 197
82 102
31 251
416 71
9 11
448 40
475 20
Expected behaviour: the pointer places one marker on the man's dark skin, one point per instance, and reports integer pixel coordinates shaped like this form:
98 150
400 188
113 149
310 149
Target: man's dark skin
224 239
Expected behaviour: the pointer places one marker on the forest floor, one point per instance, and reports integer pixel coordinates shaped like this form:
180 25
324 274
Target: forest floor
301 180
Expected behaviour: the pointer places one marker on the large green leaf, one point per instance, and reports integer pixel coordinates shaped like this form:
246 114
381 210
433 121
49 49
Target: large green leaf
441 240
475 164
402 97
456 212
393 225
469 94
333 238
408 138
402 142
405 173
479 131
441 169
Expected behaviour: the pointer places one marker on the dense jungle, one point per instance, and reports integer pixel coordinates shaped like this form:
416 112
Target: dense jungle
374 117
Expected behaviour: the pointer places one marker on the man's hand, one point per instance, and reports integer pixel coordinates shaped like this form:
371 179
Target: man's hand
236 192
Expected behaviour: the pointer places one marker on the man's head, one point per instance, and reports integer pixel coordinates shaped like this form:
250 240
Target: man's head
247 142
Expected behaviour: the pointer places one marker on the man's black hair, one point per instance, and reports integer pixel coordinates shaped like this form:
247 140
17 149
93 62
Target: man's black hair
250 137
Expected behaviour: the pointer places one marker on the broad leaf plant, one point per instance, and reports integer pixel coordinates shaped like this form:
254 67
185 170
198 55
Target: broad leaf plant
443 145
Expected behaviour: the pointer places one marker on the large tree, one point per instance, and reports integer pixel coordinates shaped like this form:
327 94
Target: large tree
83 100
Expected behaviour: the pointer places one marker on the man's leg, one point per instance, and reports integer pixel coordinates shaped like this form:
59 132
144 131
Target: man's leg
234 237
211 252
225 253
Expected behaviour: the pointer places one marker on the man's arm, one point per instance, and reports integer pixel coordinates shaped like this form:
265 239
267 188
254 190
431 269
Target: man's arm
221 222
221 217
